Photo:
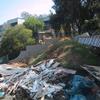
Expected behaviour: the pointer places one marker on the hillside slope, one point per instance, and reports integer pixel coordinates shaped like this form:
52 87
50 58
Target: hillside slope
69 53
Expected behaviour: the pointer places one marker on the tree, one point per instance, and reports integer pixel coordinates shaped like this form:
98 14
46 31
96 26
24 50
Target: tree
25 15
35 25
67 13
72 13
16 39
92 25
54 22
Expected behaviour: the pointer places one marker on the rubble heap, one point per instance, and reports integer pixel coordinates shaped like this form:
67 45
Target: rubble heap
47 80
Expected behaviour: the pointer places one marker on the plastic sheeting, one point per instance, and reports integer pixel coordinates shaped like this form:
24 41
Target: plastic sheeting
81 88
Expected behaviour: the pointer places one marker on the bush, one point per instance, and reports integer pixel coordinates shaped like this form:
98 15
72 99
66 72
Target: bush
16 39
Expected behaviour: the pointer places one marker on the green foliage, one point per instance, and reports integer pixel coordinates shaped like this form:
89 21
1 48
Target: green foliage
25 15
54 22
72 54
73 13
34 24
67 13
15 39
91 25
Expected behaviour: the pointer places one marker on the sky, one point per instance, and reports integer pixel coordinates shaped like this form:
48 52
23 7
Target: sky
13 8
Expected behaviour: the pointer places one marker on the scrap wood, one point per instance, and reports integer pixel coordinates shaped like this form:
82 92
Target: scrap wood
7 70
93 70
3 85
63 70
38 63
43 98
13 87
36 79
55 65
18 64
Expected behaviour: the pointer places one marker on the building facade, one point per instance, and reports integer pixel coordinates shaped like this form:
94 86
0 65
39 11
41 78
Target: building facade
15 21
11 22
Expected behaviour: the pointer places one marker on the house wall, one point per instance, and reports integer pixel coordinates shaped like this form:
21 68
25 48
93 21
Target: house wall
15 21
11 22
21 21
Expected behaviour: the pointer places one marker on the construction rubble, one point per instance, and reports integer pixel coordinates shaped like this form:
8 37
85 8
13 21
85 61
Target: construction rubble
47 80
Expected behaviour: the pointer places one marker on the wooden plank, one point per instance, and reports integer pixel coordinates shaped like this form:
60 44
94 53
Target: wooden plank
94 71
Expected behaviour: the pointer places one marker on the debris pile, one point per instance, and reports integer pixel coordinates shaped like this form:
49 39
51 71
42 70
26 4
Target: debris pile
43 80
46 80
93 70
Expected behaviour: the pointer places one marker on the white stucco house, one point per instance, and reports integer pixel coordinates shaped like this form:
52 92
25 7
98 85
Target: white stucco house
11 22
15 21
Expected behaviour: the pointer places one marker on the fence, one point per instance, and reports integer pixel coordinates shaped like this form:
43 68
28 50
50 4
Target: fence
89 40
